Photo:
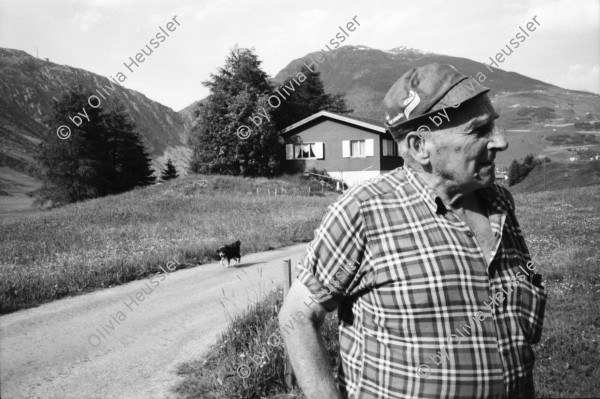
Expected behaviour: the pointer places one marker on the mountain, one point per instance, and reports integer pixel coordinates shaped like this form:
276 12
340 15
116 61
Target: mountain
366 74
531 111
28 88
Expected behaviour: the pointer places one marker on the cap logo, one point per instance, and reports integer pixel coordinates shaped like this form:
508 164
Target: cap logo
411 102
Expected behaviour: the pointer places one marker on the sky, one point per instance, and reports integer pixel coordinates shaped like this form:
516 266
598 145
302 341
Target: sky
100 35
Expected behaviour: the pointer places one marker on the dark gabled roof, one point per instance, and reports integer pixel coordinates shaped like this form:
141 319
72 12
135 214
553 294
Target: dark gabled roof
353 120
366 120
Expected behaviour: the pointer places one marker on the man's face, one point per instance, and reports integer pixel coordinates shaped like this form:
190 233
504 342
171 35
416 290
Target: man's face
464 154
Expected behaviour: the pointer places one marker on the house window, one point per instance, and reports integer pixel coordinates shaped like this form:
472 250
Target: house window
304 151
390 148
357 148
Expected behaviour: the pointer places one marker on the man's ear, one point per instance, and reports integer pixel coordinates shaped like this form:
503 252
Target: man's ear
415 142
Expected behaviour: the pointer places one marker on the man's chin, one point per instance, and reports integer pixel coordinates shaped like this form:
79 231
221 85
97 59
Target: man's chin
487 179
486 176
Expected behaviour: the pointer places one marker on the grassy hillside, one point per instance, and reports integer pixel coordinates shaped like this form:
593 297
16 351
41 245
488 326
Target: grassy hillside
560 175
562 230
112 240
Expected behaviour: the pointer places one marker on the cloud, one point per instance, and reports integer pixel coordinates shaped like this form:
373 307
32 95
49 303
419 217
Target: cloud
564 16
87 19
583 77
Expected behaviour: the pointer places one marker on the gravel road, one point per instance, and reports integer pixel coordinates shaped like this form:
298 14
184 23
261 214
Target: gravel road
127 341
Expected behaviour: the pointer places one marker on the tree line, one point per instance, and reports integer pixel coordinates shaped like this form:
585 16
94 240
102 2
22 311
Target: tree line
106 155
103 156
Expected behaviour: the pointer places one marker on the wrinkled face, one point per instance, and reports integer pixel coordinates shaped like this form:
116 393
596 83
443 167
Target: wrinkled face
464 154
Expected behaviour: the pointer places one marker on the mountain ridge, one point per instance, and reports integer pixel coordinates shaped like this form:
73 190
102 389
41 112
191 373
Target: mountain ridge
28 88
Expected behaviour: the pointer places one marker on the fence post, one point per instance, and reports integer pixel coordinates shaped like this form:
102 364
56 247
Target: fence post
288 375
287 276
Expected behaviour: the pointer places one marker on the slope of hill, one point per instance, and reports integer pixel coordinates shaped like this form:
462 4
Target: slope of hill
560 175
28 88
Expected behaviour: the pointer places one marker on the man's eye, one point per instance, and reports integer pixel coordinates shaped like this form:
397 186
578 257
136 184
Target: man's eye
483 130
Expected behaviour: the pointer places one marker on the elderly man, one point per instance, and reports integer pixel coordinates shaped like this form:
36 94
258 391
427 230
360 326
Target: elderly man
426 264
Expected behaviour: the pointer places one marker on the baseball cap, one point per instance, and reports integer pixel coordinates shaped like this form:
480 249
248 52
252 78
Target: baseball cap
423 91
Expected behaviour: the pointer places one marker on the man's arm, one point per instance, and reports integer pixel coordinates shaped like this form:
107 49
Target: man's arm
305 345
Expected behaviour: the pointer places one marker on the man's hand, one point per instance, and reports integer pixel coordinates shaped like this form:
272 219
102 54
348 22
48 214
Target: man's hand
299 321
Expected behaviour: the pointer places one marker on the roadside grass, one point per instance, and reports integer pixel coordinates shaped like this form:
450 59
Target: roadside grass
247 362
112 240
562 229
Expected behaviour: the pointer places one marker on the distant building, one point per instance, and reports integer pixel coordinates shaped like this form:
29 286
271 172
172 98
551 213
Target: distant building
349 148
581 148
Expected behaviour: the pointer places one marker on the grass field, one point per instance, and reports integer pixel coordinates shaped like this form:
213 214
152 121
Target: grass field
112 240
562 229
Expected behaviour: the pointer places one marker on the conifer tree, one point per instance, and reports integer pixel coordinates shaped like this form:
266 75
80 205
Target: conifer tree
169 172
104 155
239 90
307 98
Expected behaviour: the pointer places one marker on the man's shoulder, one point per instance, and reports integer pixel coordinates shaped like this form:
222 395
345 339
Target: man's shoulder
386 183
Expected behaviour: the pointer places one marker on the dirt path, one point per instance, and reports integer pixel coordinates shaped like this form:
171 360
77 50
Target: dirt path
126 342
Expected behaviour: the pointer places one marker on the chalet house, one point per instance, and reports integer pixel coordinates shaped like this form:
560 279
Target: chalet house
349 148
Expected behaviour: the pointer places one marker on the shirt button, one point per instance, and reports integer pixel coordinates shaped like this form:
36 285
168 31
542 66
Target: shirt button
469 234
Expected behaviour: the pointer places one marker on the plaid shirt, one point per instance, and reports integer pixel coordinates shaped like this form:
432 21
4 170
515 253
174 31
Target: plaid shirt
422 315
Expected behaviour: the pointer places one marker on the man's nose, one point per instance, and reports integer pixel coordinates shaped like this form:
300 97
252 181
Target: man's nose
497 142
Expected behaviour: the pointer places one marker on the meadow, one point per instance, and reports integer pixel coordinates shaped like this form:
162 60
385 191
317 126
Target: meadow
562 229
112 240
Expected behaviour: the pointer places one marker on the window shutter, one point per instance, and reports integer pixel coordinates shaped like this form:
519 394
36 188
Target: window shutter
369 147
346 148
289 151
397 147
318 148
385 143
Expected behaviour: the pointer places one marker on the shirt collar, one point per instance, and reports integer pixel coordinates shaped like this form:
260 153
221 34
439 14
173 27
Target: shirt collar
433 201
494 201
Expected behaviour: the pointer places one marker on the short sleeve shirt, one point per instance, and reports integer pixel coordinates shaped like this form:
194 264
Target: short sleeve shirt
422 315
